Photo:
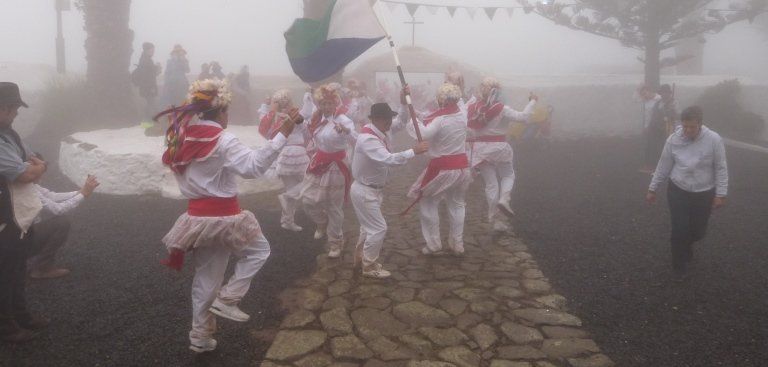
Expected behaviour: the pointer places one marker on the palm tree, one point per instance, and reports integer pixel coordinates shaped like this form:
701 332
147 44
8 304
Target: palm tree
108 48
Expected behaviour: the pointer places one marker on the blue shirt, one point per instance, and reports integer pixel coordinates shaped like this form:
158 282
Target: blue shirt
11 164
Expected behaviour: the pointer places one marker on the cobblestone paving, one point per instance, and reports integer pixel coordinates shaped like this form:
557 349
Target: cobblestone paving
491 307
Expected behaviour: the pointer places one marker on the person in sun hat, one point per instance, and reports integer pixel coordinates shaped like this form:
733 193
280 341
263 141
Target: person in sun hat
206 160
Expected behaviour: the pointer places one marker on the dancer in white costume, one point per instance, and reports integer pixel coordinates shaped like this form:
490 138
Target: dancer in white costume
328 179
291 164
370 168
489 151
447 176
206 160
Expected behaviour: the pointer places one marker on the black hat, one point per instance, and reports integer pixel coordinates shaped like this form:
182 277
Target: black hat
665 89
381 110
9 94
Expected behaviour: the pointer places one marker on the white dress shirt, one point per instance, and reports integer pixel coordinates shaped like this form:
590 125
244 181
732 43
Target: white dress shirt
329 140
693 165
216 176
370 166
499 125
446 134
57 203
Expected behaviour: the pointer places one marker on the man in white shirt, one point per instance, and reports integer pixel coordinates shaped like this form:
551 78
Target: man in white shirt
370 169
52 228
694 161
489 151
447 175
328 179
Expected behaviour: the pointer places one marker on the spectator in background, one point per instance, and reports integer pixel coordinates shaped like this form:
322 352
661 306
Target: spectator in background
176 83
241 96
205 72
144 77
216 71
694 161
52 228
660 126
19 205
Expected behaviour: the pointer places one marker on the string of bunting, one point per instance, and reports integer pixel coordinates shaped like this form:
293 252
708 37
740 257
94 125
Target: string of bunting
491 11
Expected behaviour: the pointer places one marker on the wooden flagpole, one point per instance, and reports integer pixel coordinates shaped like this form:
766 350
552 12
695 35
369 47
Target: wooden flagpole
384 26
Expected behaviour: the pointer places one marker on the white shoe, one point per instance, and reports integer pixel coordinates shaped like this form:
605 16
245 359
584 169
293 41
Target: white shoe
319 233
334 253
499 226
205 346
228 312
506 208
426 251
376 271
291 227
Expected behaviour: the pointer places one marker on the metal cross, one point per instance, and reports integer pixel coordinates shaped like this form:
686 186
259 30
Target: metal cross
413 22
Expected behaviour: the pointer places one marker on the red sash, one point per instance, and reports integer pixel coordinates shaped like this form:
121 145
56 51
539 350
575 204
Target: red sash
269 126
447 110
321 161
437 165
213 207
198 143
368 130
203 207
488 139
479 114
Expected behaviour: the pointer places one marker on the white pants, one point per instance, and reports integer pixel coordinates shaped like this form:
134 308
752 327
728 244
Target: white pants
499 178
292 184
325 205
430 218
210 265
373 228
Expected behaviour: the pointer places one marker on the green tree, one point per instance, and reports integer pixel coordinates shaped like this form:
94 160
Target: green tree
108 47
650 26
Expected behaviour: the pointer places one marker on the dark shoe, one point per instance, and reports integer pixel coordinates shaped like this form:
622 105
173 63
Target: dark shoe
20 336
33 323
11 332
49 274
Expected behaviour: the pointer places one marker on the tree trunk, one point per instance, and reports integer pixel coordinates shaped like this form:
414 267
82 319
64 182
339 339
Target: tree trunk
108 48
652 59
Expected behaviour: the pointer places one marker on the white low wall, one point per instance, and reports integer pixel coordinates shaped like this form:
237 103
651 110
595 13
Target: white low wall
127 162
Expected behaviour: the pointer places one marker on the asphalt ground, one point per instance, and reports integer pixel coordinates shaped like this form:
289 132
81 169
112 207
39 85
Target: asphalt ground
580 205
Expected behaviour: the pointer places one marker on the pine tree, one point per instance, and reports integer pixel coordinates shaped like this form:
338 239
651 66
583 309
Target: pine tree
650 26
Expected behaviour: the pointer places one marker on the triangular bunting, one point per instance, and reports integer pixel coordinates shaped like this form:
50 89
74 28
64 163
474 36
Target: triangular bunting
391 6
451 10
490 12
432 9
412 8
471 11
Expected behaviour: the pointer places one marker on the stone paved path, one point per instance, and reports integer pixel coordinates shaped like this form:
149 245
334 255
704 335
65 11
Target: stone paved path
491 307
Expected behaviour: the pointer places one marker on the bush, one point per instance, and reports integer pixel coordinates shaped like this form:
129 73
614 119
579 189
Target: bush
724 114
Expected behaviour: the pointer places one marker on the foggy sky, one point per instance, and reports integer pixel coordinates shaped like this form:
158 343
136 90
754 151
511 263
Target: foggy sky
240 32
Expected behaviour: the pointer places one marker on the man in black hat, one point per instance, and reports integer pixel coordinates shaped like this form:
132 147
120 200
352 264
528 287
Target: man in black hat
370 168
18 170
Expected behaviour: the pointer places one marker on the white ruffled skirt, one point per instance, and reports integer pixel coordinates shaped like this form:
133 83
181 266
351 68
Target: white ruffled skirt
293 160
234 231
491 152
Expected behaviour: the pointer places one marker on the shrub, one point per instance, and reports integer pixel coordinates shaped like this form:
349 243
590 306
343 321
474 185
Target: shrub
724 113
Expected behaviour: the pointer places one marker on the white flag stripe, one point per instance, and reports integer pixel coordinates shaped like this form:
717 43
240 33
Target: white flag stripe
354 19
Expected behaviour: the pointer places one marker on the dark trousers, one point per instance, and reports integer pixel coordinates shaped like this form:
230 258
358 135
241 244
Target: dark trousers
50 235
13 273
654 144
690 213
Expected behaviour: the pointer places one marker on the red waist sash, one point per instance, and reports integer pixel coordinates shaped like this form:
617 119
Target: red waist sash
437 165
321 162
488 139
213 207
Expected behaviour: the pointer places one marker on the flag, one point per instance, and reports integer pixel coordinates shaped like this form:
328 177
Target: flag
331 35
